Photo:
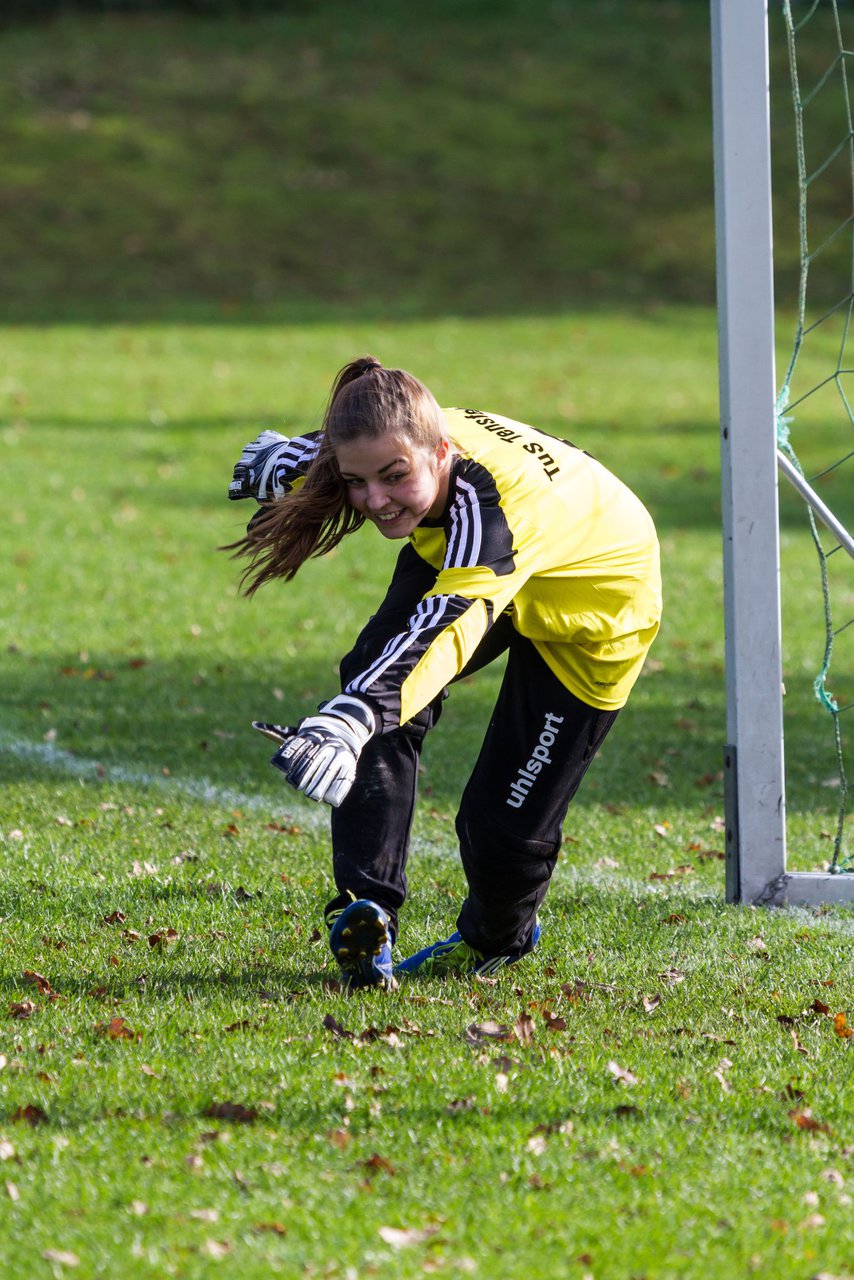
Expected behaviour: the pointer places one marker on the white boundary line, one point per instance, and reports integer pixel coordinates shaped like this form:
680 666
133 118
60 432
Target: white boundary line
58 760
313 817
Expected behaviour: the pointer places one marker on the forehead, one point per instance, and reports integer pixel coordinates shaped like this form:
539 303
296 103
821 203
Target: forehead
368 455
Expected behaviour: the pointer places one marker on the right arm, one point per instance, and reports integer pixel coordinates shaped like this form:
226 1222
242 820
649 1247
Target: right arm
273 465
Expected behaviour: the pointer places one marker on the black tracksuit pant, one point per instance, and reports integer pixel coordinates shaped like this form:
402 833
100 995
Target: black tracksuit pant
538 745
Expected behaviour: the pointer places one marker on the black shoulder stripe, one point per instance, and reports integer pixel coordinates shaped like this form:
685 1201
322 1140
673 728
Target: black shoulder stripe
478 532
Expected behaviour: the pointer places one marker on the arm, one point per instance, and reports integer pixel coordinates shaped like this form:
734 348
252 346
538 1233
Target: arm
486 562
272 465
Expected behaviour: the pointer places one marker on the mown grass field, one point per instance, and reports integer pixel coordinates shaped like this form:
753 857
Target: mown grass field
665 1090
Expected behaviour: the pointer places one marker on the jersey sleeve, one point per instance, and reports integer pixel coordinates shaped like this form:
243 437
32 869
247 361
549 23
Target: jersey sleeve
272 465
486 563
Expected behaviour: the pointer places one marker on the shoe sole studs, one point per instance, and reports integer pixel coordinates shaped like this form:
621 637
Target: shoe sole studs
365 938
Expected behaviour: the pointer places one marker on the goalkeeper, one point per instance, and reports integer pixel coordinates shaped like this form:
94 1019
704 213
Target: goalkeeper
514 542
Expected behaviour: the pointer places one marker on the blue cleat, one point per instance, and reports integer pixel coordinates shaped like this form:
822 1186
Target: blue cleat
454 956
361 943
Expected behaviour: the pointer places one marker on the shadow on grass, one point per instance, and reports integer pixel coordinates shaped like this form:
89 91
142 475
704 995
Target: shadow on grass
679 494
160 722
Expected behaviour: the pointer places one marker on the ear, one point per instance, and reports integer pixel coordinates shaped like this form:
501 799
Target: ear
442 449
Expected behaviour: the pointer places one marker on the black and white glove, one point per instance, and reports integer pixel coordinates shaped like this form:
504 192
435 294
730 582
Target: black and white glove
319 756
258 472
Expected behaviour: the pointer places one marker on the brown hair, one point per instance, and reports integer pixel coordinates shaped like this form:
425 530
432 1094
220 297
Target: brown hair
366 400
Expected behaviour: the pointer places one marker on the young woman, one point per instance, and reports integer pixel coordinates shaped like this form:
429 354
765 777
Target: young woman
515 542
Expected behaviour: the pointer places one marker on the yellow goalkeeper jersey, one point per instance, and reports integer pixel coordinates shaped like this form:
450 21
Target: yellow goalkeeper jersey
533 526
539 528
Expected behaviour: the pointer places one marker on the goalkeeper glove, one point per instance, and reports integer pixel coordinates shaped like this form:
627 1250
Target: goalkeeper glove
319 756
257 471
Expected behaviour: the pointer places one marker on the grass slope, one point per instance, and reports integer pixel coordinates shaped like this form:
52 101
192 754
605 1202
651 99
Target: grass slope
473 157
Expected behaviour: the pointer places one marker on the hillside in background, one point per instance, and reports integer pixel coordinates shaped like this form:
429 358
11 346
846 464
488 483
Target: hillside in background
473 157
455 156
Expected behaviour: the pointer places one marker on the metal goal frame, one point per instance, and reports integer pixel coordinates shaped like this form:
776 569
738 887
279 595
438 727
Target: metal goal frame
754 773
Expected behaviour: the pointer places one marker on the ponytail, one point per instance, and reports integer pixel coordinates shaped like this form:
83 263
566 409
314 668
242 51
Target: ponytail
366 400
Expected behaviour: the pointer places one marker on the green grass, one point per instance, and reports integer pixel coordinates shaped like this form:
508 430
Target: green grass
201 222
129 671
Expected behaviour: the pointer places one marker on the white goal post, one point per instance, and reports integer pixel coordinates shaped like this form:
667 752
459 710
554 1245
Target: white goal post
754 774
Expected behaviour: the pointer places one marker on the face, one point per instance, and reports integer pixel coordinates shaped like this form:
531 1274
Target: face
396 485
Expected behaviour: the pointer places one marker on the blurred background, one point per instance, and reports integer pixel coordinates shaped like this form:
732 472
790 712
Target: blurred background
287 157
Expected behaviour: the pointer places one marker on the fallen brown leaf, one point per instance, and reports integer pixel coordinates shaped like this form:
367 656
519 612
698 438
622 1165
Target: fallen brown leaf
61 1257
31 1115
460 1104
231 1111
799 1048
37 980
163 937
404 1237
621 1074
337 1030
489 1030
523 1028
117 1029
803 1119
22 1009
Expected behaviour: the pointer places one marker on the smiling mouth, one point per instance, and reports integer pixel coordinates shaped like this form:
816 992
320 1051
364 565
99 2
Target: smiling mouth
387 519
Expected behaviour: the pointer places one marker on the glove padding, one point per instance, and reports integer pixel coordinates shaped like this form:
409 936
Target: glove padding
319 756
257 471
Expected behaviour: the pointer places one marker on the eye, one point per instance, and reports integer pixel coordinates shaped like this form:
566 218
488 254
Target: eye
396 477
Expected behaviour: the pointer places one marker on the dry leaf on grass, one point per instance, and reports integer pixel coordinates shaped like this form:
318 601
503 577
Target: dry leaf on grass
523 1028
804 1119
489 1030
404 1237
163 937
31 1115
38 981
215 1248
22 1009
117 1029
231 1111
378 1164
621 1074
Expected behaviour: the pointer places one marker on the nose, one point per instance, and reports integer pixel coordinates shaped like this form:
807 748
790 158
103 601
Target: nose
375 497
